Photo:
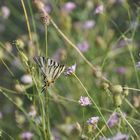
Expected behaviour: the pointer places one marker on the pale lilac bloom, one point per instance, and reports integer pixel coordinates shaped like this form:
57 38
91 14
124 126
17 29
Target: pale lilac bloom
89 24
70 70
121 70
104 138
138 64
93 120
26 79
84 101
124 42
26 135
120 136
5 12
48 8
83 46
69 6
113 120
99 9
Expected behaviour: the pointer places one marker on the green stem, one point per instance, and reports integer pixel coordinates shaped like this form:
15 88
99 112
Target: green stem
34 25
92 101
122 115
46 39
27 20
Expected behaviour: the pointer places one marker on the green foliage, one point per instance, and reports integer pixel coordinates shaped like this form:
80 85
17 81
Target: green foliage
105 47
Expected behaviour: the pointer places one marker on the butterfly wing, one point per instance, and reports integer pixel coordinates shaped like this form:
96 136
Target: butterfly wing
54 69
41 61
50 69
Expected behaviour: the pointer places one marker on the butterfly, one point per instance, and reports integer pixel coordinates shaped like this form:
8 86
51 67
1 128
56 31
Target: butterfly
50 69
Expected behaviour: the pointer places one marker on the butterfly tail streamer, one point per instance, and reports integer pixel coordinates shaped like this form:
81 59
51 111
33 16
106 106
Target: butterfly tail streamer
43 88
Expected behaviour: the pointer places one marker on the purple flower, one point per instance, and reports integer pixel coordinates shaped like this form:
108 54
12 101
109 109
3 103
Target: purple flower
84 101
69 6
70 70
121 70
93 121
124 42
83 46
26 135
120 136
88 24
48 8
99 9
138 64
113 120
5 12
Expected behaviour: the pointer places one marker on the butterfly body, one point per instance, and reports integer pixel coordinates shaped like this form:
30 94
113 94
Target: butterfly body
50 69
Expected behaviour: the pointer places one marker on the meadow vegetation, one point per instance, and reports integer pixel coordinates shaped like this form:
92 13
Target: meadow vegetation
97 97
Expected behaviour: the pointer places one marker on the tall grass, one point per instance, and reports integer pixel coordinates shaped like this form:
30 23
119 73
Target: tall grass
114 43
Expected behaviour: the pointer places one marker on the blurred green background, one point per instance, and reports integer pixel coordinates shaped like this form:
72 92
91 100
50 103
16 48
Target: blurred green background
108 36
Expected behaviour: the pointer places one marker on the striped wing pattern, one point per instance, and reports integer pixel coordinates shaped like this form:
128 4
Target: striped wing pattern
51 70
41 61
54 69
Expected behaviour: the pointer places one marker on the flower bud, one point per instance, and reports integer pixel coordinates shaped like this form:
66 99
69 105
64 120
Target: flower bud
19 88
19 43
116 89
105 85
125 91
39 4
98 73
117 100
18 101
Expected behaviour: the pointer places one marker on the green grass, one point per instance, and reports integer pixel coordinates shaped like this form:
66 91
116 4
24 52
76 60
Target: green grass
114 43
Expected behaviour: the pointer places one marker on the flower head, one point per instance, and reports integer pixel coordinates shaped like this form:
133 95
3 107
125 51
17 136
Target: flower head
93 121
84 101
83 46
69 6
26 135
70 70
26 79
48 8
113 120
121 70
89 24
5 12
99 9
120 136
